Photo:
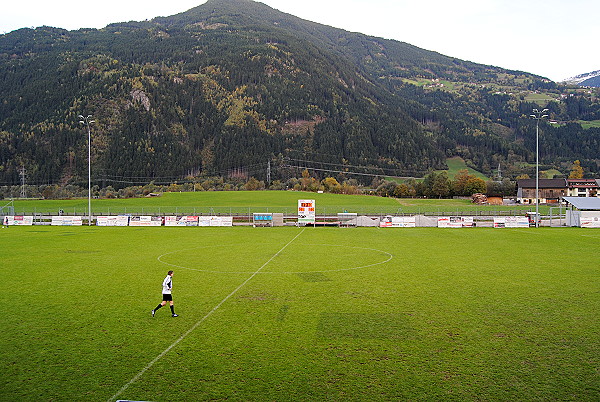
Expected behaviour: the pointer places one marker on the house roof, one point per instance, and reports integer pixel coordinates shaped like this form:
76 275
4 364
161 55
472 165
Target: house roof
584 203
543 183
587 183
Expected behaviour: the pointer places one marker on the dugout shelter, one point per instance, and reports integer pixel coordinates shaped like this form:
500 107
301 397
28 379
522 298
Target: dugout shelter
583 212
262 219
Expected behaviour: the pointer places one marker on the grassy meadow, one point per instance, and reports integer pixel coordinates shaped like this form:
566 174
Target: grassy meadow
300 314
246 202
589 124
456 164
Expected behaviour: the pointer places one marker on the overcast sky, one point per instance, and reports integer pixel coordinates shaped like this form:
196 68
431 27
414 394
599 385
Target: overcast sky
557 39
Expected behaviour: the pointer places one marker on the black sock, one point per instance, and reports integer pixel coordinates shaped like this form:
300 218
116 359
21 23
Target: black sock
172 310
157 307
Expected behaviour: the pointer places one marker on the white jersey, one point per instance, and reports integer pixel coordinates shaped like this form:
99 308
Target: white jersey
167 285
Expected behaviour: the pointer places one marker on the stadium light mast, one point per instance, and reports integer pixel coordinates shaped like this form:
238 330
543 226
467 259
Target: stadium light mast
87 120
537 115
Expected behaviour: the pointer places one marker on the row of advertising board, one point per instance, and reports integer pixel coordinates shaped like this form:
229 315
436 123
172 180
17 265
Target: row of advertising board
204 221
454 222
306 215
306 209
124 220
224 221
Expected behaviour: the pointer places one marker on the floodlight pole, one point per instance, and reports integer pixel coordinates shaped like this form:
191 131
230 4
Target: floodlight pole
537 115
87 120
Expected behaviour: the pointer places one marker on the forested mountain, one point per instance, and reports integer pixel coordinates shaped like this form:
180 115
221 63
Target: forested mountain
232 84
591 82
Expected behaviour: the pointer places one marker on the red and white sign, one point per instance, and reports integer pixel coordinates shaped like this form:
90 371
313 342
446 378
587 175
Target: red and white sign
455 222
590 219
18 220
306 211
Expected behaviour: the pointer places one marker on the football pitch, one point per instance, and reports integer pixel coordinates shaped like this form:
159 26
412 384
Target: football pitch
300 314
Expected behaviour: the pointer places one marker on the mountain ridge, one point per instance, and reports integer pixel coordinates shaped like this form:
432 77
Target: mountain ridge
233 83
591 79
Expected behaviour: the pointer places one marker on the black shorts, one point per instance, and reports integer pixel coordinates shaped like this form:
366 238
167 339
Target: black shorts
167 297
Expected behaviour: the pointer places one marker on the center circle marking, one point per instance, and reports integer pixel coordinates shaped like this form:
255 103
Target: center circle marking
385 257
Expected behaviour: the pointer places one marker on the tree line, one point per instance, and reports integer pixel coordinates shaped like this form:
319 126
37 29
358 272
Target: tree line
434 185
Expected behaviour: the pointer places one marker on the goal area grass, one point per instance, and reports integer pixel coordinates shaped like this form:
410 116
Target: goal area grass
300 314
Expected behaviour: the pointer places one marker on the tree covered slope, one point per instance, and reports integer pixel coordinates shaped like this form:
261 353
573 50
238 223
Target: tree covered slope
234 83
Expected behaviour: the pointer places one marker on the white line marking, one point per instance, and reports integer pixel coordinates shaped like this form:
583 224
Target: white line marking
182 337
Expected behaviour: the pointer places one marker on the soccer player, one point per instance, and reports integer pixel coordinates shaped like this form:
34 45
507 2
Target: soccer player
167 286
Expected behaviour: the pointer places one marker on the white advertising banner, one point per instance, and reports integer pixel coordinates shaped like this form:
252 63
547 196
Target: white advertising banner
145 221
121 220
449 222
66 221
18 220
590 219
306 211
181 221
224 221
455 222
215 221
398 222
468 222
511 222
204 221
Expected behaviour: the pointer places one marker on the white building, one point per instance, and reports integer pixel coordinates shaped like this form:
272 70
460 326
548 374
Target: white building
583 187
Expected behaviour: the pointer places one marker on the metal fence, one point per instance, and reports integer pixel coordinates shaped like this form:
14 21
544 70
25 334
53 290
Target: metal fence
7 209
248 211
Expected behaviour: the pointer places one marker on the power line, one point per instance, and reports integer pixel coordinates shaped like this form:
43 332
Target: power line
348 172
366 170
104 175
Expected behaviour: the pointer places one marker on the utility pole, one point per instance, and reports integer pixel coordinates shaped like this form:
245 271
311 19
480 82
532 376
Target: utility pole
22 173
268 172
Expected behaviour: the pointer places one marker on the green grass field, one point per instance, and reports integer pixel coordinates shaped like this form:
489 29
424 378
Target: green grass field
541 99
457 164
207 202
246 202
589 124
300 314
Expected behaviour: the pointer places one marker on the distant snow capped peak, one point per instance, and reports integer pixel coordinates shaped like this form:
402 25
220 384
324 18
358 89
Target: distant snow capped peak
578 79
